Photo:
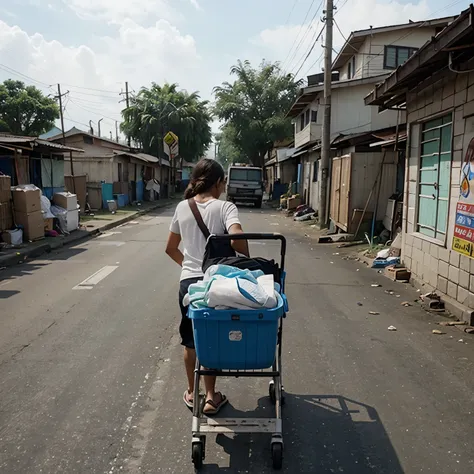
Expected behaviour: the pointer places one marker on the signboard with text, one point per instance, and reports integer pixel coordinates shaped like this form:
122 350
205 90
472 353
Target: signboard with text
463 239
171 145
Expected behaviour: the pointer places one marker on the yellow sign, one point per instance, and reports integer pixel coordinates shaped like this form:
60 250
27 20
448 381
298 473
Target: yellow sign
171 138
462 246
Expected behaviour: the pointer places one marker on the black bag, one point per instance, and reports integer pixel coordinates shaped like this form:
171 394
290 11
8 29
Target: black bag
215 249
221 252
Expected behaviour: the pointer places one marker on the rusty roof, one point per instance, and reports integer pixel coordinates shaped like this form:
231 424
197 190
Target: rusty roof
33 142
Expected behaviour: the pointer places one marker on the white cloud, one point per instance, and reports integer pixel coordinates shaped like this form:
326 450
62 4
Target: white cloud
138 55
195 4
120 11
355 15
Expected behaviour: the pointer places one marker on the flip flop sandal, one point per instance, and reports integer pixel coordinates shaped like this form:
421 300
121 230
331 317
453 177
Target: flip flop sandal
216 406
187 402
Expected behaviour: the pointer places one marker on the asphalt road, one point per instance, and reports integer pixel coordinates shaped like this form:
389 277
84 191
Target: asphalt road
91 377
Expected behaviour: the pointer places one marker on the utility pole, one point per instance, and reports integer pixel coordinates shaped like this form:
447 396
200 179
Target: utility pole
128 105
116 131
60 98
326 129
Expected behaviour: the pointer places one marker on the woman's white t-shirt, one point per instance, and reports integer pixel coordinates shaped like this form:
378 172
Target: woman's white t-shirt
218 216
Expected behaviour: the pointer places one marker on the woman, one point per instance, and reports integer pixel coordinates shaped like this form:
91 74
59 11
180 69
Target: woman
206 186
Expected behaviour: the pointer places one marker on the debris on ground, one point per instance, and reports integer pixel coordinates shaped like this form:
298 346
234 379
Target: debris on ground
437 332
452 323
461 341
385 262
406 304
389 292
374 313
433 301
397 273
469 330
392 328
375 285
360 304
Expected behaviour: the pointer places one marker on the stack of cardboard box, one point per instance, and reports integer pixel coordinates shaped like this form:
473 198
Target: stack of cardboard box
6 215
68 202
28 213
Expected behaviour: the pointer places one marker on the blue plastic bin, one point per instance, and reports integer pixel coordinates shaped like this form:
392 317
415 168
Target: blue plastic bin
236 339
121 200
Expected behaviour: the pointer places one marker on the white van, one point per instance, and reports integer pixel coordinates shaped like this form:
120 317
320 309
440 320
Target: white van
245 184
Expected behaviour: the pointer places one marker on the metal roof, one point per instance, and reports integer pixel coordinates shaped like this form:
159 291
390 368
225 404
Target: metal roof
36 142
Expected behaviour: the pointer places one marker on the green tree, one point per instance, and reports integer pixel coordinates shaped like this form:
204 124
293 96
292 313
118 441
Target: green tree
227 152
155 111
24 110
254 107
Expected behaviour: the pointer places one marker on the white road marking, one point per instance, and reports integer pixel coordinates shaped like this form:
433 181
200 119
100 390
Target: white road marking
111 243
97 277
107 234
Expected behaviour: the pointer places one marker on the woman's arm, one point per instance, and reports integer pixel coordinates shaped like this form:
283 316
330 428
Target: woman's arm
240 246
172 248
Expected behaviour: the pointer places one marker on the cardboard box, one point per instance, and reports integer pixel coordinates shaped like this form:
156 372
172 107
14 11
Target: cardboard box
6 216
67 201
26 201
397 273
32 223
293 203
48 224
14 237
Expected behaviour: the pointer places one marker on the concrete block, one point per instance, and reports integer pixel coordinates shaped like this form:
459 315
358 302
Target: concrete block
434 264
417 255
414 267
432 278
417 243
447 103
465 264
407 261
468 109
411 216
464 279
470 92
407 251
452 290
442 285
471 283
426 259
443 269
453 274
471 261
434 251
454 259
425 246
463 296
443 254
448 89
458 128
462 82
458 143
460 98
457 159
409 240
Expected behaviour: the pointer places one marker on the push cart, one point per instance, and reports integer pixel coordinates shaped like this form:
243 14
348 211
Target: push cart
241 343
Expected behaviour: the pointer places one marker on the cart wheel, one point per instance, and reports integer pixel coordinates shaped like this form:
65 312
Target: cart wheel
277 456
271 392
198 454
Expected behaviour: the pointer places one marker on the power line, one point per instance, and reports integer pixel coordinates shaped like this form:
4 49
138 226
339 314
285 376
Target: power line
310 25
298 35
291 12
17 73
310 51
99 114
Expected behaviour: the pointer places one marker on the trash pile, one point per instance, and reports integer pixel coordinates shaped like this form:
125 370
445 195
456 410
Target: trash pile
304 213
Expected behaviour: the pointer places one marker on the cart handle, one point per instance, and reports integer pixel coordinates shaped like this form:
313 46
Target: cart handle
256 236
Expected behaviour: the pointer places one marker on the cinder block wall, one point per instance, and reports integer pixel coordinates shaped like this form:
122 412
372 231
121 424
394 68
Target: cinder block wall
431 262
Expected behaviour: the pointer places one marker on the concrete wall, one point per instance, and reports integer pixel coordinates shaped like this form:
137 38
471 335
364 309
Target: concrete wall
432 262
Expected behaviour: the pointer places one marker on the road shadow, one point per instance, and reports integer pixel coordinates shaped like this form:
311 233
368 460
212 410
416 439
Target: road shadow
323 434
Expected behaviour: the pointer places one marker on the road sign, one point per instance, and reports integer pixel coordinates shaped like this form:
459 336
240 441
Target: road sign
171 145
171 138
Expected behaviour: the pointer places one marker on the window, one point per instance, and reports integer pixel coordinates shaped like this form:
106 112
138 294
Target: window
89 140
396 55
314 116
302 125
243 174
315 171
351 68
434 177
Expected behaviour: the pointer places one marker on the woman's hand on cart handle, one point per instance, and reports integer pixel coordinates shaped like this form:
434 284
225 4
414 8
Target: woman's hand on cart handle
240 246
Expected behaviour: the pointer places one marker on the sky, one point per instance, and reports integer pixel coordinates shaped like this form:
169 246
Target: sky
92 47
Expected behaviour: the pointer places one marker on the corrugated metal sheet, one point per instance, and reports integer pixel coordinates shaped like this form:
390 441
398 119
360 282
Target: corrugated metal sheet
33 141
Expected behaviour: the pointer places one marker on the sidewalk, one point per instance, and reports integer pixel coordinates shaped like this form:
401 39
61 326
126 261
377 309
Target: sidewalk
90 226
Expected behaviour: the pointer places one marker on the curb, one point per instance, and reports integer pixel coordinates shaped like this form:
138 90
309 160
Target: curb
22 254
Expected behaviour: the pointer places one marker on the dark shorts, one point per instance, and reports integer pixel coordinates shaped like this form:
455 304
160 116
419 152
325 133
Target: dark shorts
186 326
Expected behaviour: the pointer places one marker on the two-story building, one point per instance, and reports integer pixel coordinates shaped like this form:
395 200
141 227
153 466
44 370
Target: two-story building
366 59
436 87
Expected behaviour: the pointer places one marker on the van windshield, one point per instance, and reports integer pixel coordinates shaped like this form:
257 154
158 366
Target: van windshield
245 175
